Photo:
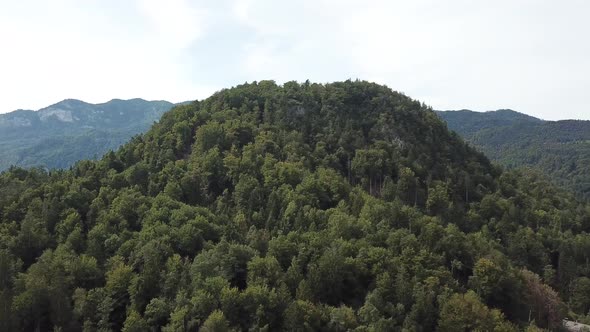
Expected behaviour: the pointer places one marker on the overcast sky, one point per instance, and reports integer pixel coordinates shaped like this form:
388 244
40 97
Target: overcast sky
532 56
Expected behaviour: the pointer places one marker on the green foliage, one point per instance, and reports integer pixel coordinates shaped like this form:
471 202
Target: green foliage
560 149
579 300
465 312
301 207
216 322
134 323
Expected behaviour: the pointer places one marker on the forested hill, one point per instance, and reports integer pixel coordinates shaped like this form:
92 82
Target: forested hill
301 207
560 149
61 134
467 122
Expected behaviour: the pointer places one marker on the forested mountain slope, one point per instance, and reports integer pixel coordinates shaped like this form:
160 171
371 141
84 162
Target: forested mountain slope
61 134
560 149
301 207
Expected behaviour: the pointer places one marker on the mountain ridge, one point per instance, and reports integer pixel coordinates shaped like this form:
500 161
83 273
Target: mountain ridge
103 126
560 149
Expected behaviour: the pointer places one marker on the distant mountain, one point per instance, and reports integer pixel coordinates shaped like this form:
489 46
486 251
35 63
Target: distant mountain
61 134
561 149
468 122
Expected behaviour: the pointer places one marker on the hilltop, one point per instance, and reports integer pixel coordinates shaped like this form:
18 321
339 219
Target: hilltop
295 207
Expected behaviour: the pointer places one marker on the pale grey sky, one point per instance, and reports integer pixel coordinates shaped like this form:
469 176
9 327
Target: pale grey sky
532 56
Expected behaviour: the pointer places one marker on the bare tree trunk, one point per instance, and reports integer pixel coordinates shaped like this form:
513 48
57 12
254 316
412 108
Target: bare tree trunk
416 193
349 176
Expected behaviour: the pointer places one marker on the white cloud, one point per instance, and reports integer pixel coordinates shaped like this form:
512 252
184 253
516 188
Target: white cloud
526 55
77 51
177 22
521 54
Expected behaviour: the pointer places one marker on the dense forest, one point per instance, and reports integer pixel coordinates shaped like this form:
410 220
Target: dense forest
560 149
62 134
301 207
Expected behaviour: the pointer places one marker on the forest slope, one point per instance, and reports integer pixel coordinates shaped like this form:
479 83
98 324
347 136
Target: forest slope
560 149
344 206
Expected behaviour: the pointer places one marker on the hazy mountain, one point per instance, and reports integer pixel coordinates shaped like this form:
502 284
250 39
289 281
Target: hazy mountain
561 149
71 130
467 122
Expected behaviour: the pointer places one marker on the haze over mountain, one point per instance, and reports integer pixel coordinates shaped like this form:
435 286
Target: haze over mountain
296 207
561 149
72 130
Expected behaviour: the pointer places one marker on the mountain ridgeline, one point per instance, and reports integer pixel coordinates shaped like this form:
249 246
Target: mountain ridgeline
61 134
560 149
301 207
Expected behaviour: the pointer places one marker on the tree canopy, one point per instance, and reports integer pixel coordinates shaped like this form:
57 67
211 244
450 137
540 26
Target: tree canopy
344 206
560 149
